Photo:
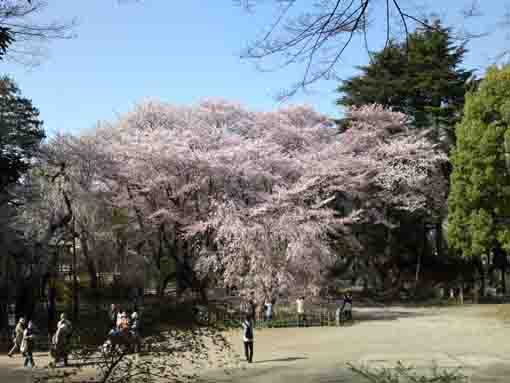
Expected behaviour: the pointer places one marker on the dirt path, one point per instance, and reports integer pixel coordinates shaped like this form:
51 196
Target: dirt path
449 337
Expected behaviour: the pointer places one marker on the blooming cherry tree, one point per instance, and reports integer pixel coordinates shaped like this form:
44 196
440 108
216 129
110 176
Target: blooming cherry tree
251 198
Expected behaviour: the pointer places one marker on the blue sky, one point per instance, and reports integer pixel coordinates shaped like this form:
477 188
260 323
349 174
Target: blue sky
181 52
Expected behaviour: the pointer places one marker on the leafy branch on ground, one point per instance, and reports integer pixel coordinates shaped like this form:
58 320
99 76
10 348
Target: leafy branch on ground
407 374
173 355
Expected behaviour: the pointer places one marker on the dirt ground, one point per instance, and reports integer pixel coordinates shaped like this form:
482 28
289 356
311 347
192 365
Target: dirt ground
452 337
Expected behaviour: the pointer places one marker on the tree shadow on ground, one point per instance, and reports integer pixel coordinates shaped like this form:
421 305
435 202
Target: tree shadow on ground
384 315
290 359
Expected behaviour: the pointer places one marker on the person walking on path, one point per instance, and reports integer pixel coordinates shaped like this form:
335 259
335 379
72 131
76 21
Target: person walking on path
18 337
27 345
300 303
248 339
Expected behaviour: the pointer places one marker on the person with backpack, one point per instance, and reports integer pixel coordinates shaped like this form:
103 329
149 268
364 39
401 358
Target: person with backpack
248 338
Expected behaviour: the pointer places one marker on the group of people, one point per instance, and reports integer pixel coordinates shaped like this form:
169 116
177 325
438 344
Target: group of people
343 311
123 323
124 329
24 341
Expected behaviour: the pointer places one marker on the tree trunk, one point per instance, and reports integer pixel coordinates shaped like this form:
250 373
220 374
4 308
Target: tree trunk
91 267
503 277
483 287
52 307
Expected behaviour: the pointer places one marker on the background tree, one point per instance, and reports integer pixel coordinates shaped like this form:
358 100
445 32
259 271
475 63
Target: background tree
421 77
20 133
316 35
478 203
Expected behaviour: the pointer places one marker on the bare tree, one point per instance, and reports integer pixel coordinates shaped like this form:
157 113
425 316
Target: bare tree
22 36
316 34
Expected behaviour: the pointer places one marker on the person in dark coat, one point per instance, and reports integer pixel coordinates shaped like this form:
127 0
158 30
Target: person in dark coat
27 345
113 316
248 338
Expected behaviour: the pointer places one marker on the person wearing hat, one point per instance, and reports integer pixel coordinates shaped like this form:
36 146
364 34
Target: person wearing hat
18 336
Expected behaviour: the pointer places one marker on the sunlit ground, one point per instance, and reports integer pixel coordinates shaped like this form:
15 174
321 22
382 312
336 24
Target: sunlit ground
470 337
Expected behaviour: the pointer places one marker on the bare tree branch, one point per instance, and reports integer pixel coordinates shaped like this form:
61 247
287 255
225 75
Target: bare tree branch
318 35
27 36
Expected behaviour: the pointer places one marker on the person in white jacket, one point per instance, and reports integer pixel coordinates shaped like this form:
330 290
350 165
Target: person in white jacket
18 337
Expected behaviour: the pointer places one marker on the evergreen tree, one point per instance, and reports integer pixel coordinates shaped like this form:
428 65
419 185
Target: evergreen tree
479 200
20 133
421 77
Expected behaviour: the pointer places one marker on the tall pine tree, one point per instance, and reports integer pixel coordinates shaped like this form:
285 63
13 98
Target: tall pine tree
421 77
21 133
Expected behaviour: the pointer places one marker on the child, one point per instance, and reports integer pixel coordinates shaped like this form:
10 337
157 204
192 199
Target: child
248 338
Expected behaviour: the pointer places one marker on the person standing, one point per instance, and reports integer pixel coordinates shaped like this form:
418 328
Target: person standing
338 312
300 303
63 338
269 310
113 316
135 330
27 345
18 337
248 339
347 307
119 319
252 309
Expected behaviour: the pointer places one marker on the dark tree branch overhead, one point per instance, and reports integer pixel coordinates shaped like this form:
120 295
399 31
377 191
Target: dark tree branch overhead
21 36
316 35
